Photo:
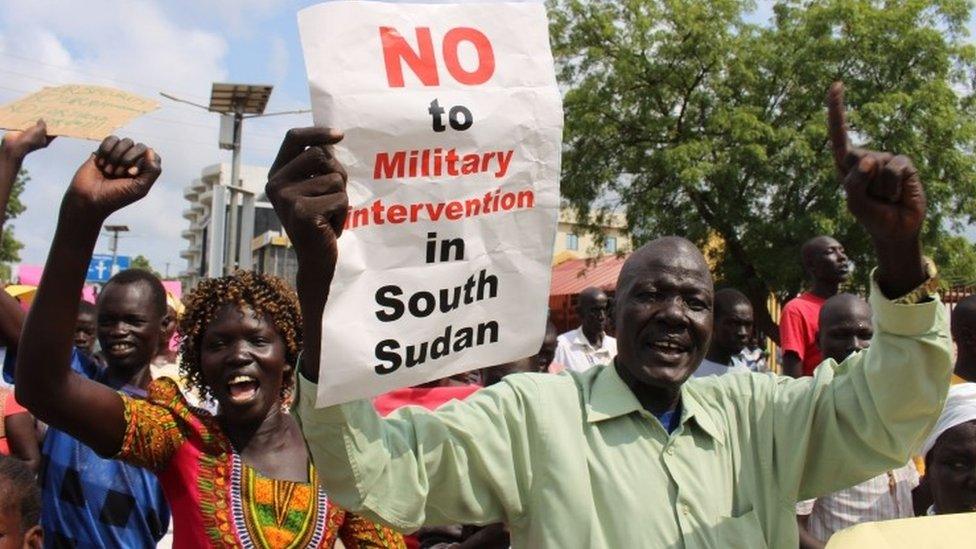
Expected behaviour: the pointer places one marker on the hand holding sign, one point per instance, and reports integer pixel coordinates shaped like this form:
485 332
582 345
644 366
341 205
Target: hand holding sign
119 173
21 143
307 187
885 194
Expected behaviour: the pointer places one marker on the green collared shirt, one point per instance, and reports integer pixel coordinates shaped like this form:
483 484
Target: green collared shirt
574 461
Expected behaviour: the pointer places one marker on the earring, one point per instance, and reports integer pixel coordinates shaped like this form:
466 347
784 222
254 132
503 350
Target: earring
287 398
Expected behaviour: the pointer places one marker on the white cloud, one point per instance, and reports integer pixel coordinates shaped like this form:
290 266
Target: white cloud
137 46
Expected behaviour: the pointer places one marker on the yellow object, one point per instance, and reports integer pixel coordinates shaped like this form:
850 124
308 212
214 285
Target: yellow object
23 292
174 303
935 532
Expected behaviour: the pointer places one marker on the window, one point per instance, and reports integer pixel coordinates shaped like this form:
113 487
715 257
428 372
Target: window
610 245
572 242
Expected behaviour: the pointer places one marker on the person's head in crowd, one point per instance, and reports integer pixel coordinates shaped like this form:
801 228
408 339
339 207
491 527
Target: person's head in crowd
732 325
85 327
494 374
174 309
963 327
131 310
825 262
592 310
950 453
845 326
240 336
664 316
20 506
547 352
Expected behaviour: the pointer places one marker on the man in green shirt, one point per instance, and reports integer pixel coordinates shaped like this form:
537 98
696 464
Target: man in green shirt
633 455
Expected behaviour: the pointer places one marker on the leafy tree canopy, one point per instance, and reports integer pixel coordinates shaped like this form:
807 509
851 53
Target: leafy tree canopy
9 246
702 124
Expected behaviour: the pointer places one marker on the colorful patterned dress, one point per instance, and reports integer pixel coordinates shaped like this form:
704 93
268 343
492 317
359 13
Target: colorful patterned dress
216 499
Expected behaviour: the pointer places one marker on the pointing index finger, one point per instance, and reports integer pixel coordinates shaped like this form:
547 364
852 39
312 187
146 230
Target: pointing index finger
837 127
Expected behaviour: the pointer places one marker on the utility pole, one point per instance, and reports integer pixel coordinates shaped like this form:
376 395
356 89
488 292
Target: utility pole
230 258
235 103
166 276
115 230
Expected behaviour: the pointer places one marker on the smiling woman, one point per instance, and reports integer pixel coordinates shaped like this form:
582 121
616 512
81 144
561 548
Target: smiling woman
239 478
242 476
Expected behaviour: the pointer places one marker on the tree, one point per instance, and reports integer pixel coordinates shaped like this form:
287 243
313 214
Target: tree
9 246
141 262
703 125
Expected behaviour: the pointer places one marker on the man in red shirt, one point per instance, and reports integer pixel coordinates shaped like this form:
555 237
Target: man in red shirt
826 264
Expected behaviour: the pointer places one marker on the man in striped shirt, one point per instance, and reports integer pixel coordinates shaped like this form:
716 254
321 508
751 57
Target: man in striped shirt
845 328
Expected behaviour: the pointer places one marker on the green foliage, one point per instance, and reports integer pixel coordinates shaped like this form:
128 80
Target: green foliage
956 258
141 262
704 125
9 246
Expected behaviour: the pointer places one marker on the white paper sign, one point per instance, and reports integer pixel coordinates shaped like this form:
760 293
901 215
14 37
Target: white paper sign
453 125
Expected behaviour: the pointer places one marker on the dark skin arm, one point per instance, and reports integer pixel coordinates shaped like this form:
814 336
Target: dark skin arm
15 147
885 194
792 365
118 174
307 187
22 438
807 541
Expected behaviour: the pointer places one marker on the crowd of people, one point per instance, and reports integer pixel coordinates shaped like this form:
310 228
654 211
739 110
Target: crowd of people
667 433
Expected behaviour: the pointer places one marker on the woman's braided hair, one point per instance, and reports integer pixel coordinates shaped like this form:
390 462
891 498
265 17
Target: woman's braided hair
265 294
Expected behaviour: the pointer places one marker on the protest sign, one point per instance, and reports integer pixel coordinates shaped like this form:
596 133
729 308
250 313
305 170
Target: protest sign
86 112
453 124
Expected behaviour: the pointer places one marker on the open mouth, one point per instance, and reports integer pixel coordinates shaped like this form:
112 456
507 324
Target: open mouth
120 348
242 388
669 351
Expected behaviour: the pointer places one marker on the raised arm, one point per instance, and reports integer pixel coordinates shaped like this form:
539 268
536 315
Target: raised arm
119 173
307 187
457 466
867 415
15 147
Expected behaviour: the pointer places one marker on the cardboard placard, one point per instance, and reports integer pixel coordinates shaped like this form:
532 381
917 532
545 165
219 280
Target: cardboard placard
82 111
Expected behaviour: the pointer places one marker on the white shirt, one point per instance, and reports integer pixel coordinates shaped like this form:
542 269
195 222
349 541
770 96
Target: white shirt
884 497
709 368
576 353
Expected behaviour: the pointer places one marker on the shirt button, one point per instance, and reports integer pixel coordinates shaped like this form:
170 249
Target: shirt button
685 509
670 450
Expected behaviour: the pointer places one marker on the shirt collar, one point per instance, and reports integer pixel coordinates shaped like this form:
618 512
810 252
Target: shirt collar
577 337
610 397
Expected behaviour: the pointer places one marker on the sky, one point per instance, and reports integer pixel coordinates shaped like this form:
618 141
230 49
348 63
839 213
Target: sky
146 47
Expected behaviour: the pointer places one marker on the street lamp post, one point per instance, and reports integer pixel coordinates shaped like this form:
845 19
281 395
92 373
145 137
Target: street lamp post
235 102
115 230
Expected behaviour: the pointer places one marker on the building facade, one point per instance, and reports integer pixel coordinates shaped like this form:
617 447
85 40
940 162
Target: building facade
575 241
207 213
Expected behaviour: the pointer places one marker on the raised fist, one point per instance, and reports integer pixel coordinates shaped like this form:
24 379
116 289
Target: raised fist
883 191
119 173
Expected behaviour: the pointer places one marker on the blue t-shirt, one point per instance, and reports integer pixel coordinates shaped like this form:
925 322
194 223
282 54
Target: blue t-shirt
89 501
669 419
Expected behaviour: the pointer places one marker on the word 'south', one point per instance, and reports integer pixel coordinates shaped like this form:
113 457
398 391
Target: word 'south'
392 354
437 162
379 212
